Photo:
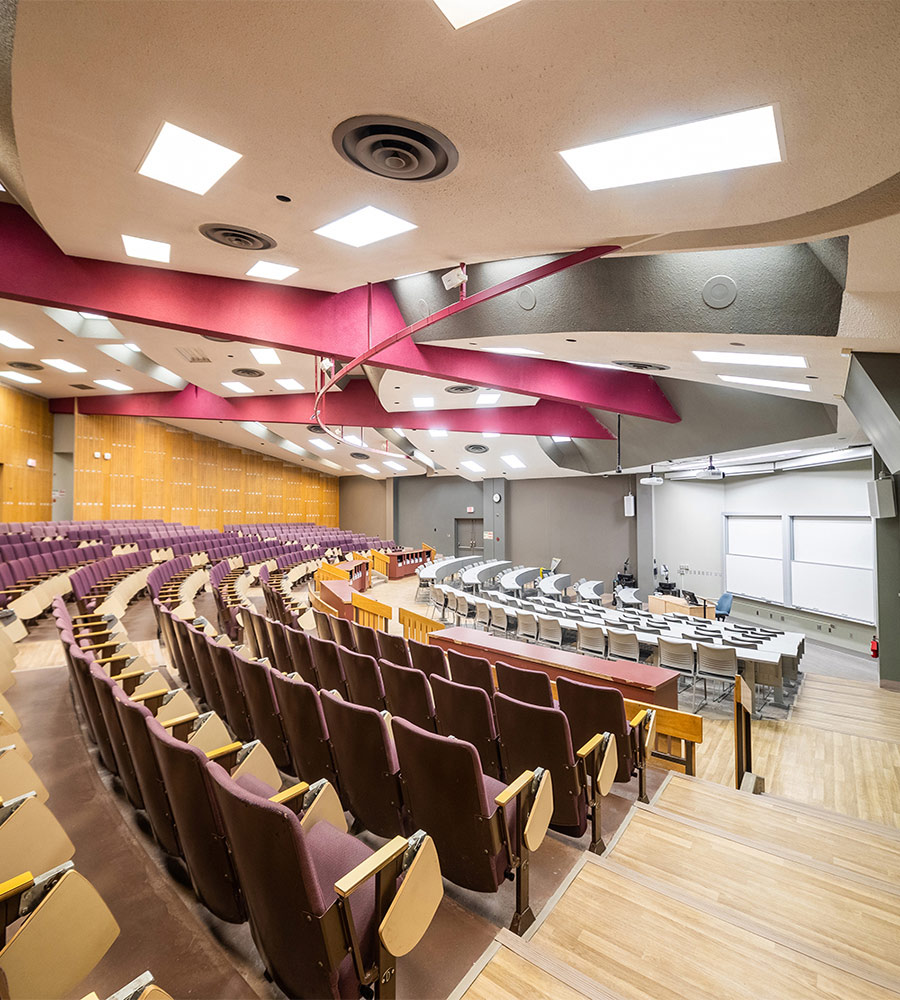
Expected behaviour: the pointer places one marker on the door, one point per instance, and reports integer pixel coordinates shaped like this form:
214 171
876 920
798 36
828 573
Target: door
469 536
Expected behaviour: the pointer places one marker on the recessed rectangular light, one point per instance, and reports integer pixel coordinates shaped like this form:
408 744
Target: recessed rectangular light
295 448
518 352
132 347
19 377
489 434
237 387
186 160
462 12
368 468
265 355
560 439
595 364
436 432
62 365
395 465
423 458
768 383
365 226
472 466
111 383
513 461
321 444
423 402
143 249
763 360
487 398
90 315
290 383
274 272
738 139
13 342
353 439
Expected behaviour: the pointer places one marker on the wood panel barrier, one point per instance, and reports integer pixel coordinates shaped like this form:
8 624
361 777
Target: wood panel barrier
369 612
432 552
416 626
317 604
379 562
328 572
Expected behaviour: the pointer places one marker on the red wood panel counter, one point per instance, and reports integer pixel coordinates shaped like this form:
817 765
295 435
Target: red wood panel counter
359 572
404 562
637 681
337 593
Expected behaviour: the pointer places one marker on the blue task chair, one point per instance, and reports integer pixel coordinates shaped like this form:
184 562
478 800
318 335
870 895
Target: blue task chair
723 606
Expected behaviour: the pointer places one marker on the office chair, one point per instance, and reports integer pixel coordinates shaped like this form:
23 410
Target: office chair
723 606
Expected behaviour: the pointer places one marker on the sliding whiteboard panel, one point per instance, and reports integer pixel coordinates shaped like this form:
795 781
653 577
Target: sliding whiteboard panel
834 590
835 541
752 577
754 536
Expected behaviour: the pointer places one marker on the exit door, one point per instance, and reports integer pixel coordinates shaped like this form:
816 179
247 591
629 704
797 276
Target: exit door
469 536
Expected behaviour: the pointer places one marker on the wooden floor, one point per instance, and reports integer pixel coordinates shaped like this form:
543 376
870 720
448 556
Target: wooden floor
845 706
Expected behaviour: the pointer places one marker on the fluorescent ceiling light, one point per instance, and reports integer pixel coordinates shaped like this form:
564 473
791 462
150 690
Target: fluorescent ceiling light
368 468
487 398
765 360
255 427
295 448
111 383
237 387
19 377
265 355
14 343
560 439
132 347
489 434
329 464
513 461
368 225
437 433
2 188
749 459
519 352
395 465
290 383
186 160
827 458
462 12
321 444
423 402
768 383
62 365
595 364
472 466
726 142
147 249
275 272
414 274
353 439
90 315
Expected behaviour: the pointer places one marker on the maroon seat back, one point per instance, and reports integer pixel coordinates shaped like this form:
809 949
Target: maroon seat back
278 644
200 831
590 710
363 679
530 737
260 636
82 667
132 716
200 647
324 653
288 888
367 764
301 660
408 694
450 798
265 717
472 670
104 687
429 659
305 729
188 660
343 632
323 624
522 684
366 640
466 713
237 714
393 649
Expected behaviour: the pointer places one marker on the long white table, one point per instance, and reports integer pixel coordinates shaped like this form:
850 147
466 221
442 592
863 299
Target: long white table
591 590
555 583
440 570
517 578
486 571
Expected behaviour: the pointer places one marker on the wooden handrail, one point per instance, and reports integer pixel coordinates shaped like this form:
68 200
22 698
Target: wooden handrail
317 604
379 562
328 572
672 725
416 626
372 613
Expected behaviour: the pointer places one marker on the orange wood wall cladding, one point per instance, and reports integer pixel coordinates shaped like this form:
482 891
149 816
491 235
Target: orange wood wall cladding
161 471
26 431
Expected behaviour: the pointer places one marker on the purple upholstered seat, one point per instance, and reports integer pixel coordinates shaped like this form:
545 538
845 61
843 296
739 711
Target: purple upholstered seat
305 729
429 659
466 713
343 632
408 694
324 653
366 640
265 717
472 670
363 678
591 709
522 684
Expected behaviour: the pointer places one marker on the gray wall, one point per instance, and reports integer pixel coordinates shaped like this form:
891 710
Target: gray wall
364 506
425 508
64 466
887 574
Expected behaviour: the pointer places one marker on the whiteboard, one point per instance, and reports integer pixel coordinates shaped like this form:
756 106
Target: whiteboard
754 536
834 590
835 541
752 577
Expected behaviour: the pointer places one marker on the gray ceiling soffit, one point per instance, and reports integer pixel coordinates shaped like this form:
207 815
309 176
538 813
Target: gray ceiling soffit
784 290
873 395
9 151
714 419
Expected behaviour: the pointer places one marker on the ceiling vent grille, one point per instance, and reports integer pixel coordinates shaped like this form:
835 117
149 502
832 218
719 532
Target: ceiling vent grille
395 147
79 385
358 454
26 366
236 237
315 428
477 449
193 355
460 389
642 366
248 372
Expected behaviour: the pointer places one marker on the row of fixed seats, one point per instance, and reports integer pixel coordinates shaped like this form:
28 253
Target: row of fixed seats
256 844
23 575
93 584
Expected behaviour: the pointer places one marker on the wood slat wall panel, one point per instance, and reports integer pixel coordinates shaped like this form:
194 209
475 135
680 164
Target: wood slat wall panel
26 431
160 471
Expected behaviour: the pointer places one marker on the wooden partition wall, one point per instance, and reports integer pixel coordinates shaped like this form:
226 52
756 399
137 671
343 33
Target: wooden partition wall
161 471
26 432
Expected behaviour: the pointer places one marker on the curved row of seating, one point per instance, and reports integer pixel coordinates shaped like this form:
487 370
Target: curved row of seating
118 579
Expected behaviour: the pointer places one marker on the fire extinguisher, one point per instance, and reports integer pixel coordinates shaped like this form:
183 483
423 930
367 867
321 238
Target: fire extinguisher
874 647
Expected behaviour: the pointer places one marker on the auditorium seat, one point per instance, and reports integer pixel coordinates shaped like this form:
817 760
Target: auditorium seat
324 653
236 712
393 649
532 686
363 677
466 713
202 656
301 660
475 671
408 694
305 729
367 764
323 624
366 640
482 829
265 717
343 632
281 657
429 659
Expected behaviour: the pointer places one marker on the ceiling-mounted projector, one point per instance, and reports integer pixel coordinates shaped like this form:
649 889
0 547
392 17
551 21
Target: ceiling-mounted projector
652 481
710 472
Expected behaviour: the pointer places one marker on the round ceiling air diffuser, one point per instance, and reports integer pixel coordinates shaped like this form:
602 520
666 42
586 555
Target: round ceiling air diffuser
477 449
236 237
642 366
460 389
358 454
248 372
26 366
395 147
315 428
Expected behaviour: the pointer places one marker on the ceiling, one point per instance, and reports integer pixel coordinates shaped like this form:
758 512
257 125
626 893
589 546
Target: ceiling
272 81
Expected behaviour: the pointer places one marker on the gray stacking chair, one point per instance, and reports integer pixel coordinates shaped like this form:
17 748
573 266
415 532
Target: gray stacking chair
527 627
549 630
716 663
591 639
622 645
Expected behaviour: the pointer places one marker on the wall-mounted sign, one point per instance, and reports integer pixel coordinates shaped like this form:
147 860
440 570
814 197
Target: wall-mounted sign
470 510
489 536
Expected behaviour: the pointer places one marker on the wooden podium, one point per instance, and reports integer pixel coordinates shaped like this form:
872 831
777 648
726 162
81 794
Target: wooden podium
662 604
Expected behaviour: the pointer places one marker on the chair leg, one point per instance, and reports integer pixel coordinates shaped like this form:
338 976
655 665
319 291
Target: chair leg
524 917
596 846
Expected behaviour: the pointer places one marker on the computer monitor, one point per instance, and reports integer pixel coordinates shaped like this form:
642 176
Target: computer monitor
554 563
690 597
